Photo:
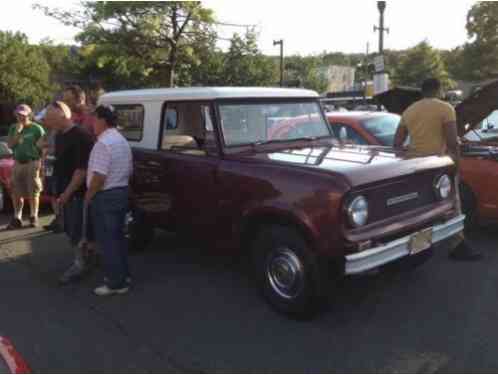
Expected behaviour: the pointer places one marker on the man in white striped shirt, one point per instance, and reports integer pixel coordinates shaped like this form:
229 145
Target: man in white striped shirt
109 170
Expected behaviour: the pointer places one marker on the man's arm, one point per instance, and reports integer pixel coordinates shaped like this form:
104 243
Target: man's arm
96 184
77 180
14 136
400 136
451 135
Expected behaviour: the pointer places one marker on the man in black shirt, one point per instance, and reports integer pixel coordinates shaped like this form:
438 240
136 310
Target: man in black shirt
72 151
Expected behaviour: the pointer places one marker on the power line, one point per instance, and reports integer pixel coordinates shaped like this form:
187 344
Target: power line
233 25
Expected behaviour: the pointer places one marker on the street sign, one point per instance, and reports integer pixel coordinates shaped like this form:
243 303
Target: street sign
379 63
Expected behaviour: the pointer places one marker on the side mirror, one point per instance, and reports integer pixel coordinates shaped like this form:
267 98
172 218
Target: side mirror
343 134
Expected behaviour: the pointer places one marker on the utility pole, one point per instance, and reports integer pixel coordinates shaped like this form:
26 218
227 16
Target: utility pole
281 43
381 5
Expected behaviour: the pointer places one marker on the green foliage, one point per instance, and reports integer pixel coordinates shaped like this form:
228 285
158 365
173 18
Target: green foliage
308 72
24 71
480 56
245 65
419 63
145 40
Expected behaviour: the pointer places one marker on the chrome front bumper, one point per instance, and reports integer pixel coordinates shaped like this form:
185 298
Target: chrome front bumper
377 256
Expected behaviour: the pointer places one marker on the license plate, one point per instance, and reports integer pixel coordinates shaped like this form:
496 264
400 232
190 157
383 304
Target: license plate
420 241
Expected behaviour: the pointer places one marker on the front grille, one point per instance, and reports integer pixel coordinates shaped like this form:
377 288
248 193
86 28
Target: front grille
398 190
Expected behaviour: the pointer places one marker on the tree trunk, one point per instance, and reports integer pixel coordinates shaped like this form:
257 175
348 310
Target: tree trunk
171 74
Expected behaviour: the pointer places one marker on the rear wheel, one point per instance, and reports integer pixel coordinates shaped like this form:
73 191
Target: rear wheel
137 232
285 271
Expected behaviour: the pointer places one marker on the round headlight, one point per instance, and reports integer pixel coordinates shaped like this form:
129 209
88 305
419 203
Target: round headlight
443 186
358 211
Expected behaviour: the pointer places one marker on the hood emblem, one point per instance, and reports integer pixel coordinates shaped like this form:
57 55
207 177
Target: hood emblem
401 199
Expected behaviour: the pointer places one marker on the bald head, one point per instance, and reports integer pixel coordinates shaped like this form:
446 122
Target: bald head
58 116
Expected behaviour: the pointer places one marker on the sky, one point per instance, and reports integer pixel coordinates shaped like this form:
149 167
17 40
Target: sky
307 27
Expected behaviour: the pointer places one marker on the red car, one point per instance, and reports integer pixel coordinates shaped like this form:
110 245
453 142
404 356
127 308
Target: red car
11 361
479 164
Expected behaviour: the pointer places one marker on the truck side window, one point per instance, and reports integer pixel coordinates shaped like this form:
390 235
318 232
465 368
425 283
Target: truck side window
187 128
130 120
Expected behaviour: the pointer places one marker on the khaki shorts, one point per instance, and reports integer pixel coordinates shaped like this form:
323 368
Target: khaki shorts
26 180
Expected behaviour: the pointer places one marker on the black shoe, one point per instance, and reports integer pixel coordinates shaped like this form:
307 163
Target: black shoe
463 252
15 223
53 226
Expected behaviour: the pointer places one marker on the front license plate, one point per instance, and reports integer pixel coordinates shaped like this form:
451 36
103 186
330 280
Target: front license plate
420 241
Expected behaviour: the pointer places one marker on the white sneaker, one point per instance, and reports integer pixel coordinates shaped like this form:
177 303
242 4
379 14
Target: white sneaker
104 291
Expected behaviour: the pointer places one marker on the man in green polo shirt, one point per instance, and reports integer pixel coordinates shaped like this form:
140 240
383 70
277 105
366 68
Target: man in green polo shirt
24 139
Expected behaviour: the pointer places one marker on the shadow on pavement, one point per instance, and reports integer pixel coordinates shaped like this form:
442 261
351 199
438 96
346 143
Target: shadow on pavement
191 311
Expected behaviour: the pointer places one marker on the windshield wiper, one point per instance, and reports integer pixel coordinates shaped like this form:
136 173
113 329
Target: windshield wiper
270 141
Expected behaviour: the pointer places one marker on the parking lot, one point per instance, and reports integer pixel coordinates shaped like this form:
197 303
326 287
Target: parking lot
194 312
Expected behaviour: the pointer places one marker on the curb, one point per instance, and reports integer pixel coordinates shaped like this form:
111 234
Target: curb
12 358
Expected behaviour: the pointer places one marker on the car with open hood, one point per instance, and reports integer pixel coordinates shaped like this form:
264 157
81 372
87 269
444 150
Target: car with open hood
215 164
476 117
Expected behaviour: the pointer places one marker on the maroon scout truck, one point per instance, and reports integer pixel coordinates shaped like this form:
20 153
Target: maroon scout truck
305 208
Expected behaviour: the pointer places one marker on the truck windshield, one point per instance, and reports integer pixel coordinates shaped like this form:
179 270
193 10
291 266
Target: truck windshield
247 123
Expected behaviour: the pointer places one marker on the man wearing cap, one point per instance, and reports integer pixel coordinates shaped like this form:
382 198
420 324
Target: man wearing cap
109 170
23 139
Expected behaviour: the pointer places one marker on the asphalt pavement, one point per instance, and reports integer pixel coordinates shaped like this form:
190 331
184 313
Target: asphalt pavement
192 311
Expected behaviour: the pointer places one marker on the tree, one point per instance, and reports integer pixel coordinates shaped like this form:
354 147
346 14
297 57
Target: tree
481 53
24 71
245 65
419 63
308 71
152 37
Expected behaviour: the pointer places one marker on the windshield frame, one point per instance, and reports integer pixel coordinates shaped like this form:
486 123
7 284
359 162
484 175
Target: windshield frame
270 100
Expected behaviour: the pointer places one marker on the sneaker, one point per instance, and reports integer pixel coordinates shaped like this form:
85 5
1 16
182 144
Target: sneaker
128 280
15 223
464 252
33 222
72 274
104 291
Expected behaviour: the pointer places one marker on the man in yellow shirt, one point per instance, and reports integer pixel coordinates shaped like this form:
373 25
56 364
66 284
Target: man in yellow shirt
431 125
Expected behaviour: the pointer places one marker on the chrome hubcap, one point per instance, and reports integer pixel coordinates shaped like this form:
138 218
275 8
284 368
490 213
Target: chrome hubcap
285 273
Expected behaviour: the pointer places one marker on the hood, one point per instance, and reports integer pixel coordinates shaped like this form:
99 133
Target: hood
359 165
470 112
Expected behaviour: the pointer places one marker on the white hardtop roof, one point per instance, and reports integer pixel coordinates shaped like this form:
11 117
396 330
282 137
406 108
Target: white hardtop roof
206 93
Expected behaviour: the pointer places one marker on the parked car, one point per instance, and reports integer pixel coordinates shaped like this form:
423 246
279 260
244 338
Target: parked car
479 165
208 162
11 362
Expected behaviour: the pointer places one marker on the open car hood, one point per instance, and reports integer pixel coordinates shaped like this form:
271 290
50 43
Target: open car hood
470 112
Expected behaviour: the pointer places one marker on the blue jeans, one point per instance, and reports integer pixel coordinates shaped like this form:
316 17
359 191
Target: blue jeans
73 221
108 209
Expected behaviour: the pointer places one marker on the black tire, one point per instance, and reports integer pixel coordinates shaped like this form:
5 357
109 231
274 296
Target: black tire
275 250
7 202
469 207
138 233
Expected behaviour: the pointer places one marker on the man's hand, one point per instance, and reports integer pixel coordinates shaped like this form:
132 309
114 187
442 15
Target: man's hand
63 199
88 198
19 127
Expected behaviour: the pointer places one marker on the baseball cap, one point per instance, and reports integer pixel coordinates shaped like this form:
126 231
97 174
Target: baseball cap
23 109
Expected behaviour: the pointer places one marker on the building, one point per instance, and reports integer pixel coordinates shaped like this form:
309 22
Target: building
340 78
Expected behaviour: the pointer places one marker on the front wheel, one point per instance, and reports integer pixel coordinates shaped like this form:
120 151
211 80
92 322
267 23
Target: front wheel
285 271
138 234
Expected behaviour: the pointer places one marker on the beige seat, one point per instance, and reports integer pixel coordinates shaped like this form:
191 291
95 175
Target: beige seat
170 141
